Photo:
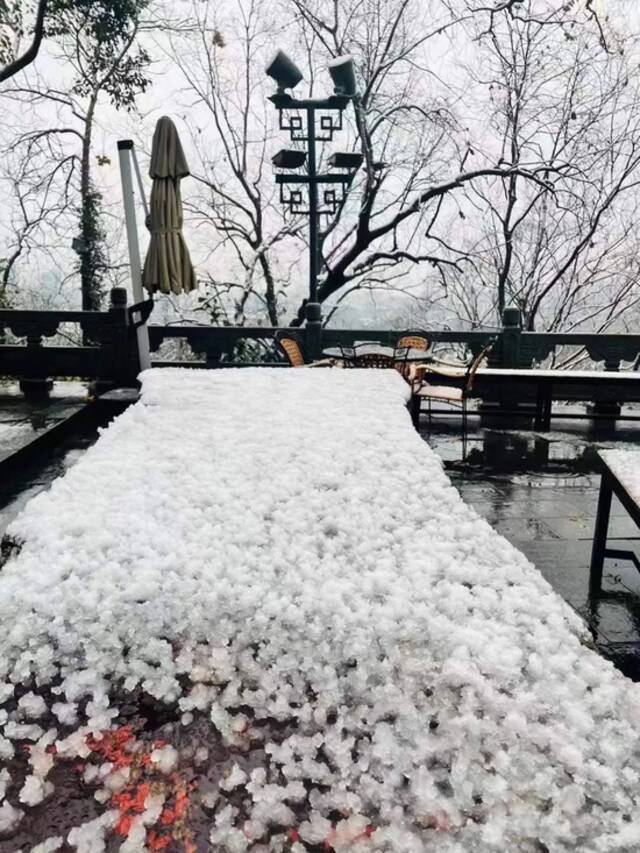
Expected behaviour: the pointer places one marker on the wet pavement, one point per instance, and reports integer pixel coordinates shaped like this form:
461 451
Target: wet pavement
21 422
35 448
540 491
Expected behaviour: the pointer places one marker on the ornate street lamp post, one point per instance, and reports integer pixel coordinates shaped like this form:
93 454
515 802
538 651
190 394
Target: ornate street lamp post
325 191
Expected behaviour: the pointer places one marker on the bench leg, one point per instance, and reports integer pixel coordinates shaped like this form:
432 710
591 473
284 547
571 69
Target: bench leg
544 400
537 424
414 409
548 404
600 538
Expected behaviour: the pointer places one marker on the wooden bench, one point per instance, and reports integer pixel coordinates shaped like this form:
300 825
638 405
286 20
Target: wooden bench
620 471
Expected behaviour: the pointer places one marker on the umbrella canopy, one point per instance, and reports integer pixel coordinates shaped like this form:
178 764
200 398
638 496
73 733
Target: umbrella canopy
167 267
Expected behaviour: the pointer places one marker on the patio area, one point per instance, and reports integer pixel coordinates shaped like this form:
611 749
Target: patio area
281 629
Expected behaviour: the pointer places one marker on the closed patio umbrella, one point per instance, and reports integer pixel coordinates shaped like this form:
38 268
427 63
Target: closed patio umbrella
167 267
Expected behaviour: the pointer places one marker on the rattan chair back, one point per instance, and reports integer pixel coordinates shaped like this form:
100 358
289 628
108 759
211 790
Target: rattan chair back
373 360
413 342
292 350
475 364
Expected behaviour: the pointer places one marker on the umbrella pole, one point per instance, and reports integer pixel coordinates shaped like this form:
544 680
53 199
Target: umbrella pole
125 147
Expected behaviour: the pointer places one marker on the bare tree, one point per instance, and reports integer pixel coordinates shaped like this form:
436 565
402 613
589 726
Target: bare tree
37 215
408 135
567 259
105 63
11 31
220 57
420 211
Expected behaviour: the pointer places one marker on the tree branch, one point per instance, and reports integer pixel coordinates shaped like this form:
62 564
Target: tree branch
30 54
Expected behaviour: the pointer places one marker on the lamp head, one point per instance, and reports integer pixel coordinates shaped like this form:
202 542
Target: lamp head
343 74
284 71
288 158
351 160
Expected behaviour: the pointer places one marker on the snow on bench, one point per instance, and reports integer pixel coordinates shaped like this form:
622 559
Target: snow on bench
280 554
625 466
620 476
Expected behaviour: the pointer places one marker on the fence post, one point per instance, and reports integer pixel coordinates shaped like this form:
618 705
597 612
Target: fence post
511 332
122 359
34 387
313 332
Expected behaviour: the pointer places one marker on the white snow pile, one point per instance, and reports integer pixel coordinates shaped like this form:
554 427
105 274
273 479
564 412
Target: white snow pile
625 464
283 542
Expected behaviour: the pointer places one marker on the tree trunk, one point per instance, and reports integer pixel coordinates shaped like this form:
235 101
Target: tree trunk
90 298
270 290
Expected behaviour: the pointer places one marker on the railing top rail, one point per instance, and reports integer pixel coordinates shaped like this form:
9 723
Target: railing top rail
184 330
8 316
579 338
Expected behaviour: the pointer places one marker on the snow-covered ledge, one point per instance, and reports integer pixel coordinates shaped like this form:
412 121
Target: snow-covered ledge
280 546
625 465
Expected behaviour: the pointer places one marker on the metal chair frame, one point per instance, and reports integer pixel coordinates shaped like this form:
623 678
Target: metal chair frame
406 343
466 387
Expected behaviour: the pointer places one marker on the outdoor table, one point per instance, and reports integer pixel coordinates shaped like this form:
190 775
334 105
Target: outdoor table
399 354
620 478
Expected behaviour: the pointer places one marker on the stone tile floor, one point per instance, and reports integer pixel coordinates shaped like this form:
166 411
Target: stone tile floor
540 492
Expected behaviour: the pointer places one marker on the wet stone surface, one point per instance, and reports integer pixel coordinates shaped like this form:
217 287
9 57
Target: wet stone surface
541 492
22 421
15 492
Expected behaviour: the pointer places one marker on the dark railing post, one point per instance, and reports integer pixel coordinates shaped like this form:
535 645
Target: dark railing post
511 332
35 387
506 353
121 363
313 330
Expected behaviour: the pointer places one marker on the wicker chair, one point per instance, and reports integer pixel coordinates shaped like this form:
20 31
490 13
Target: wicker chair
413 342
293 350
374 360
422 389
406 343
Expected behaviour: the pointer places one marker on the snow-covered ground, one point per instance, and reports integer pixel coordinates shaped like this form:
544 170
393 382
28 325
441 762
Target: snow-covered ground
279 552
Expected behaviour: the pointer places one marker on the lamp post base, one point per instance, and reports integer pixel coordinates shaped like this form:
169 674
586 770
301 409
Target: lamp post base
313 316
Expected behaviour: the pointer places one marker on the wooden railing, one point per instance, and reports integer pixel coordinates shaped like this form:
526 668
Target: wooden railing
109 352
217 345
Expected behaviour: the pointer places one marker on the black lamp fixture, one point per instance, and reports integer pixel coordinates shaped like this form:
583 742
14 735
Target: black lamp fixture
284 71
289 158
311 192
346 160
343 73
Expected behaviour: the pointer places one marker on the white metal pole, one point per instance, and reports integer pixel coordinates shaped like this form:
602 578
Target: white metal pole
125 149
143 197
